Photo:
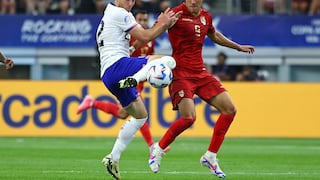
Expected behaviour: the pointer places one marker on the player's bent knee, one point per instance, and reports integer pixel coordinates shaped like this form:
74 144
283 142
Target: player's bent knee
170 61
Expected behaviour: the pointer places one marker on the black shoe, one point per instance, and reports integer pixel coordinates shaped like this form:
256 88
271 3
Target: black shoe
129 82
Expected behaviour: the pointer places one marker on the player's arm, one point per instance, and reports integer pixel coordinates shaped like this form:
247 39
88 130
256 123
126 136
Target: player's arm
6 61
165 20
220 39
137 44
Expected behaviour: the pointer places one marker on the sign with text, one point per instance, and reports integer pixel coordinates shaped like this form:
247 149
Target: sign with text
48 108
79 30
49 31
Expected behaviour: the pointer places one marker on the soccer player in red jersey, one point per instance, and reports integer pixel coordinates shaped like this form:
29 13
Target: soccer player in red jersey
191 78
116 110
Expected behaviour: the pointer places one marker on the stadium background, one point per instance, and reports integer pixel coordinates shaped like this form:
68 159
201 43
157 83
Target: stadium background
56 65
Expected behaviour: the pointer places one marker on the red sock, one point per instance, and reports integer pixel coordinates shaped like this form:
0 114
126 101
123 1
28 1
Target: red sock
220 129
174 130
145 131
107 107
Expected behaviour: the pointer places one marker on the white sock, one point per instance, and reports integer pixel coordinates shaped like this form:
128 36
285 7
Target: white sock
141 75
125 136
211 155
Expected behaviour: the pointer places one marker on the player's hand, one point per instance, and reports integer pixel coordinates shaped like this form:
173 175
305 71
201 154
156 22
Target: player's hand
177 16
168 17
246 48
8 63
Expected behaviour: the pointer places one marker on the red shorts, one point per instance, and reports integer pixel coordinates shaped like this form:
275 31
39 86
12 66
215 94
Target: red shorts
205 87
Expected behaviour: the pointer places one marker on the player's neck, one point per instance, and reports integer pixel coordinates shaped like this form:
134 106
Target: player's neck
195 13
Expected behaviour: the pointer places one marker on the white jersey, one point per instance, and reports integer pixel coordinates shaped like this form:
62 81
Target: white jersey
112 35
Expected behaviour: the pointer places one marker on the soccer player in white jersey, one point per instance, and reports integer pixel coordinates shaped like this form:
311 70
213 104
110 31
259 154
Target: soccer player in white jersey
113 35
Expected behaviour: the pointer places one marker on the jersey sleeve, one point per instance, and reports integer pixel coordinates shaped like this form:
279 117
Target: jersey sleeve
211 28
125 20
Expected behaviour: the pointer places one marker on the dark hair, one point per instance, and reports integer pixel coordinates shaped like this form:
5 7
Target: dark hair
139 11
223 55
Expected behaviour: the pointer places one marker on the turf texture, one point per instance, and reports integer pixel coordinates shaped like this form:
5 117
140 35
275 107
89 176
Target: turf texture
42 158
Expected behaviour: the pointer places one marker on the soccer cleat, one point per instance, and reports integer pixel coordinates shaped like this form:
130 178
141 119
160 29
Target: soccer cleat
128 82
86 103
213 165
112 166
155 158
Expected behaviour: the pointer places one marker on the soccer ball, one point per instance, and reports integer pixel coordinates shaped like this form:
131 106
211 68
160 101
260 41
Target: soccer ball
159 75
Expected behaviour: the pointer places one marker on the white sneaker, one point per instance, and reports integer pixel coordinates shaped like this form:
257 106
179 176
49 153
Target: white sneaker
165 150
155 158
213 165
112 166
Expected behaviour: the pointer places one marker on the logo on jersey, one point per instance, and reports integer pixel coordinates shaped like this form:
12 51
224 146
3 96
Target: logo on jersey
203 20
127 19
181 93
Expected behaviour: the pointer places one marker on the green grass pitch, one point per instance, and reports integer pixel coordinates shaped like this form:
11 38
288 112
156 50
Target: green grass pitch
79 158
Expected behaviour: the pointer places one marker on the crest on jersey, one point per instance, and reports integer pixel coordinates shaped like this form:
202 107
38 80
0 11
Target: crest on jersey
127 19
181 93
203 20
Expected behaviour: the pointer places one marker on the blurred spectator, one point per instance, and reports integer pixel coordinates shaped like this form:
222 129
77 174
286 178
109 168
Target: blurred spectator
314 7
248 73
151 6
60 7
64 7
221 70
37 6
251 73
300 6
100 6
139 6
8 6
271 7
154 6
86 7
21 6
246 6
164 4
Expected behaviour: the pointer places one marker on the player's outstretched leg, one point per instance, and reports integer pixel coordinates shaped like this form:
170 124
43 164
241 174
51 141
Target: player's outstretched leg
141 75
112 166
155 158
86 103
212 163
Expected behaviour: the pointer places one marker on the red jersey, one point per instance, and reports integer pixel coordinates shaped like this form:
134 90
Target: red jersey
187 37
144 50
